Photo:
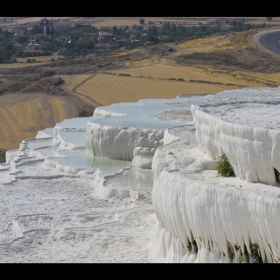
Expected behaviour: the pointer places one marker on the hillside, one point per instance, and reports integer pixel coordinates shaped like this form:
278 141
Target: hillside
200 66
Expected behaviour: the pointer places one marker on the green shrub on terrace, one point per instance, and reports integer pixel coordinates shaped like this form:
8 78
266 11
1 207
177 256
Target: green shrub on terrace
255 256
224 168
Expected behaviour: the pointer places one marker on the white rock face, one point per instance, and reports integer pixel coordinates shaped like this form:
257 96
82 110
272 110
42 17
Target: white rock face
218 220
253 152
205 218
61 205
101 113
120 142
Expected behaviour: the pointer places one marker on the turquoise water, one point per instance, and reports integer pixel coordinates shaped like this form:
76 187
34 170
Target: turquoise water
79 159
39 144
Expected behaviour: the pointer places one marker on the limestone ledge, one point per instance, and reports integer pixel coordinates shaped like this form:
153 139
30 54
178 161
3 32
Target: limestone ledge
253 152
122 143
203 217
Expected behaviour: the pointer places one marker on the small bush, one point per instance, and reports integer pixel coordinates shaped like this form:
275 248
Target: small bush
255 256
240 259
224 168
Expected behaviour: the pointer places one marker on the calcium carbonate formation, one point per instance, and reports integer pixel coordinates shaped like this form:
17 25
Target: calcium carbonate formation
206 218
201 217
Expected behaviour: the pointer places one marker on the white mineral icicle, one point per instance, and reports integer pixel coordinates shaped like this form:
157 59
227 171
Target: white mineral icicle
214 215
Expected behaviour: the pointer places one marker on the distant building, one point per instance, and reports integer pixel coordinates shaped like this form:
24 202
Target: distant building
105 46
133 30
121 42
63 51
48 22
18 45
16 36
37 46
105 36
62 39
38 36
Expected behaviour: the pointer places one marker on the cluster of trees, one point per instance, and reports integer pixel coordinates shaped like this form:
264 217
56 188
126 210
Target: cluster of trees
167 32
173 33
7 50
38 28
241 25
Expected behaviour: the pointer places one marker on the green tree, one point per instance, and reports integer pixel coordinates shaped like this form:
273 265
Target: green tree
37 28
142 21
48 31
224 167
115 30
90 45
137 36
7 34
21 39
152 30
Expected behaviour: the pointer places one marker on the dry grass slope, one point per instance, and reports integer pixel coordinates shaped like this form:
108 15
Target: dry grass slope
23 115
164 81
105 89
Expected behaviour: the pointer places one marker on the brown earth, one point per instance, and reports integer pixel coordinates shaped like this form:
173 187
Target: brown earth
236 51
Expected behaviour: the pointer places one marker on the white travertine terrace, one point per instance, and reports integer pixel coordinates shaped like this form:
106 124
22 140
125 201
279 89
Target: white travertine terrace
65 197
251 143
206 218
118 142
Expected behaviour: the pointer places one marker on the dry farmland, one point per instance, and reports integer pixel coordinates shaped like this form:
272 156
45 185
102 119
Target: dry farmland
157 81
23 115
200 66
42 58
160 81
26 20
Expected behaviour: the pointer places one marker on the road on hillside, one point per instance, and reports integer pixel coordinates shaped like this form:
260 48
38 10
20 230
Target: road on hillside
270 41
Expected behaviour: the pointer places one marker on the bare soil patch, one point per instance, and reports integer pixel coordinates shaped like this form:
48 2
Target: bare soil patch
235 51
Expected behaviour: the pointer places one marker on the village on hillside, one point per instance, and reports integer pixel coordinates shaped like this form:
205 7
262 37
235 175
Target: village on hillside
79 37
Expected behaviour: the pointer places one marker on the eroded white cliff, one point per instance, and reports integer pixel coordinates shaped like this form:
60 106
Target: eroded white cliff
120 142
201 217
206 218
252 151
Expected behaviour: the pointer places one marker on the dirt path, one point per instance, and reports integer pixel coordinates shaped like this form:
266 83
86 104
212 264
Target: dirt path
86 110
74 90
